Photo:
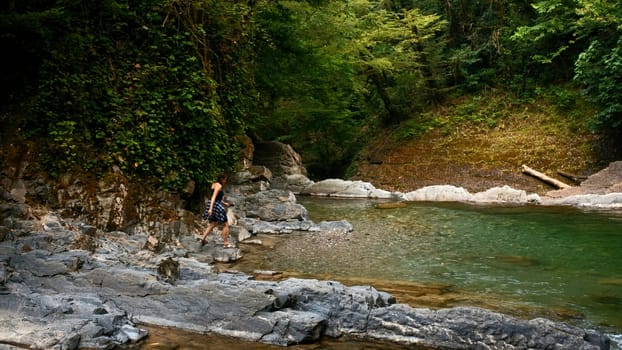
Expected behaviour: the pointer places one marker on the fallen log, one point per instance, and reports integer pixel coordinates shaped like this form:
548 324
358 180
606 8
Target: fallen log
573 177
545 178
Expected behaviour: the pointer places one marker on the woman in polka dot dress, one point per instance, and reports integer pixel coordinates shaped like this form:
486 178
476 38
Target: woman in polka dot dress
216 211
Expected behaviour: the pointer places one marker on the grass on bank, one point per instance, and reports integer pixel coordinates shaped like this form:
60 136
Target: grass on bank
487 136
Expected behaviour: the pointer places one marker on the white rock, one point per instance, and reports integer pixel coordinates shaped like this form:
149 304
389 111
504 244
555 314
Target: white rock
440 193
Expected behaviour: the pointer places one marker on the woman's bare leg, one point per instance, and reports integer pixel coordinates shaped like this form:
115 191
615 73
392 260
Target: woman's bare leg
208 230
224 233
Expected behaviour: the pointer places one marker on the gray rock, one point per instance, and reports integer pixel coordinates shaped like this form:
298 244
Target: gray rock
14 210
504 194
18 191
448 193
280 158
345 189
597 201
439 193
131 333
51 221
341 226
274 205
51 306
294 182
293 327
255 173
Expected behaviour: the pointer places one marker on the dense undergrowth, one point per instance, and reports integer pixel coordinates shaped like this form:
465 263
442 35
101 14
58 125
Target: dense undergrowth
475 141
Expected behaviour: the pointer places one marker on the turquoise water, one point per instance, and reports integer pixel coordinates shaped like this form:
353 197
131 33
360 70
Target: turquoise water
545 258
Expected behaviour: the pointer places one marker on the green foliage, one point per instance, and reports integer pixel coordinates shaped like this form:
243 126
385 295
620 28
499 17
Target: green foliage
162 88
122 83
330 72
555 25
398 54
582 37
547 45
413 129
309 93
599 68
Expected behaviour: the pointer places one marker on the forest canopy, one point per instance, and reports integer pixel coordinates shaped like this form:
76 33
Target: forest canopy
164 88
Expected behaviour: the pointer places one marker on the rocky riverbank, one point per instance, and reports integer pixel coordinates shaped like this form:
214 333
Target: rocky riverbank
84 263
67 286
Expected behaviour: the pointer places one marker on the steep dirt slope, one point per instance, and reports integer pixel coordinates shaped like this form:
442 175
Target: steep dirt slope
479 155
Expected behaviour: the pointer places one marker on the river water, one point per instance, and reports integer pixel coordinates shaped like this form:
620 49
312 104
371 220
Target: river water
529 261
556 262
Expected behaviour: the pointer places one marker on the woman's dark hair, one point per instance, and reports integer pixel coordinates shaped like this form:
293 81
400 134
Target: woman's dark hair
222 177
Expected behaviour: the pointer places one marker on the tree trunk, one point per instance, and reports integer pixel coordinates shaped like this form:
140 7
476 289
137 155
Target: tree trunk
544 178
380 83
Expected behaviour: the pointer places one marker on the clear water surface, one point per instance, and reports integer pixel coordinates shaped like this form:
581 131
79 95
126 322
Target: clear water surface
528 257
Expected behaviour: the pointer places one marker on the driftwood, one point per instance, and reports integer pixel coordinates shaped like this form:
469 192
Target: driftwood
573 177
545 178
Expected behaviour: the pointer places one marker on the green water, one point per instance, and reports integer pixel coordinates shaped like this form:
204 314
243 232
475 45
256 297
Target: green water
540 257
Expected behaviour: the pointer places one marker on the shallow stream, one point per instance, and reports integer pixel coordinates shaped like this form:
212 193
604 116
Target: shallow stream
528 261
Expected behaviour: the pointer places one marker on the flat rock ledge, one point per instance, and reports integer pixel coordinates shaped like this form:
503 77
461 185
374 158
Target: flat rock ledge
54 295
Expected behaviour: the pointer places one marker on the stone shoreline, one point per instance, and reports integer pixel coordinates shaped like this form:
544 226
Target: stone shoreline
57 297
66 285
87 273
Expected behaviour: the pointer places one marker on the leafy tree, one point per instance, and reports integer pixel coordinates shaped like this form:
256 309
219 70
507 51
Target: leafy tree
552 38
599 66
308 92
327 71
477 51
397 52
583 38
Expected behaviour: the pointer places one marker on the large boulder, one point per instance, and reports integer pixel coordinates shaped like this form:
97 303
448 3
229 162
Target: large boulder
439 193
285 164
280 158
449 193
252 179
274 205
291 182
504 194
345 189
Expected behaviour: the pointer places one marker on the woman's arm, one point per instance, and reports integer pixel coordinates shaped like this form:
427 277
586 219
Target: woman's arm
216 188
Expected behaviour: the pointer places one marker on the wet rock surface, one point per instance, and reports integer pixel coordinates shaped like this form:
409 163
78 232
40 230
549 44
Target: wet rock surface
58 296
